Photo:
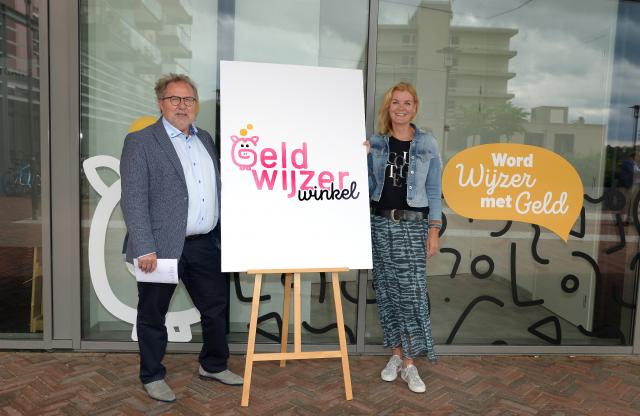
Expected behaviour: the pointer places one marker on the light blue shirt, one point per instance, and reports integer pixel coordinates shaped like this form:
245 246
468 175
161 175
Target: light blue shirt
200 175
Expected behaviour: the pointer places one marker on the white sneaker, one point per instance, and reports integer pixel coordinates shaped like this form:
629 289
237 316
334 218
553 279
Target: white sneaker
411 376
391 370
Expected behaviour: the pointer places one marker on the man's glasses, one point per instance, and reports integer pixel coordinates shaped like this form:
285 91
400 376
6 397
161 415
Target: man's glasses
175 100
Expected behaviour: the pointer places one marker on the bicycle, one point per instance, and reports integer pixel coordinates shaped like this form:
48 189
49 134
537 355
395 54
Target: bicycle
21 178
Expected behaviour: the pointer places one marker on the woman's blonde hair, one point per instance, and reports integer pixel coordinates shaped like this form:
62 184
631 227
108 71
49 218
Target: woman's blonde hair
384 121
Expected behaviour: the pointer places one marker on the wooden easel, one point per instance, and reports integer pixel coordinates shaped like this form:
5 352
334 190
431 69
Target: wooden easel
35 324
297 353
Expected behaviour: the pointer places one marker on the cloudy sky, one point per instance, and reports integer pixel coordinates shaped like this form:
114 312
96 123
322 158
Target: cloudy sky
303 32
569 54
626 75
582 54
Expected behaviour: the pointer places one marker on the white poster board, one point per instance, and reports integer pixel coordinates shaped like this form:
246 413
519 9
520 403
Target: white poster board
294 169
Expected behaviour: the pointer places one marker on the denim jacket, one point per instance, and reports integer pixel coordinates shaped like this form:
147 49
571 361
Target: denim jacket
424 186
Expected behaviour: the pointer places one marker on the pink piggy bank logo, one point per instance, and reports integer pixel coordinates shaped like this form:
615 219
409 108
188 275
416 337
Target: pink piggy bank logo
242 153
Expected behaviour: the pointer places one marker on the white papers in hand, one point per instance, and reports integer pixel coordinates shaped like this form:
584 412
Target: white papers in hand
165 272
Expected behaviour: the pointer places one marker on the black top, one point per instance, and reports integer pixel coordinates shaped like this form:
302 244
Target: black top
394 192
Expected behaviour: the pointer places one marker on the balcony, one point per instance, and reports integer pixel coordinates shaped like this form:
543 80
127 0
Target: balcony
175 37
125 35
396 47
178 12
146 14
395 69
477 93
483 73
482 50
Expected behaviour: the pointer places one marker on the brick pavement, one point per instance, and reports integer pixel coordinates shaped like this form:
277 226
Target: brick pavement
41 383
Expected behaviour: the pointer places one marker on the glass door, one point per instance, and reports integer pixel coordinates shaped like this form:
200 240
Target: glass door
21 277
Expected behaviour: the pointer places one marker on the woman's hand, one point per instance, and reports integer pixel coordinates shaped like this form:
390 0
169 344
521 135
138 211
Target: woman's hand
367 145
433 242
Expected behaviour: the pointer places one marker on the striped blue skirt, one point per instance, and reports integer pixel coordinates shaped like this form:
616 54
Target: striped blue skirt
400 279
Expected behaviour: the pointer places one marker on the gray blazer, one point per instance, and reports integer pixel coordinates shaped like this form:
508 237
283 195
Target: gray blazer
154 198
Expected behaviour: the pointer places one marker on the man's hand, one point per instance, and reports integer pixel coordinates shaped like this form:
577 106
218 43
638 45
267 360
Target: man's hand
433 242
148 263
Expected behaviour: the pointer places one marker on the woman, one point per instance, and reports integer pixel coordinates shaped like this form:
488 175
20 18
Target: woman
405 190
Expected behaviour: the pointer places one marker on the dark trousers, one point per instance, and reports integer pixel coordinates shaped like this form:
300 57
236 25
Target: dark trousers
199 270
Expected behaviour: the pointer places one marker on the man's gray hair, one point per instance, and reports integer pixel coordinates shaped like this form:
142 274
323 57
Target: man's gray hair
161 84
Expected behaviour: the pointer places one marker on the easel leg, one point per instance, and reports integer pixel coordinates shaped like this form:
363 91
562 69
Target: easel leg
341 336
253 323
286 306
297 335
36 292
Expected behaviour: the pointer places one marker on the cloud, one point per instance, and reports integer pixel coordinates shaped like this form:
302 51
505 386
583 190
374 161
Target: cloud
549 72
400 12
580 17
629 32
304 32
564 56
625 93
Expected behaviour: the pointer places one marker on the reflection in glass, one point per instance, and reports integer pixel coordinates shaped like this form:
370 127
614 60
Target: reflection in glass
329 33
317 308
305 32
20 194
125 47
491 72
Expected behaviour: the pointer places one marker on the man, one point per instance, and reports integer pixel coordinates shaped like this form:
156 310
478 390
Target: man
627 180
171 203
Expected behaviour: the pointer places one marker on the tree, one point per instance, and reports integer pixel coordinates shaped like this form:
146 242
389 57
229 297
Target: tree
488 123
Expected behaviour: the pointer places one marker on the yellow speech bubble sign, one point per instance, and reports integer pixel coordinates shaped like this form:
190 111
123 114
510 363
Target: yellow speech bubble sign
518 182
141 122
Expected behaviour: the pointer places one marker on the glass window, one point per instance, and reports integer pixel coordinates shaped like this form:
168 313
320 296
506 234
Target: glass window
20 194
491 72
408 60
409 39
301 32
305 32
124 48
119 67
534 139
564 143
